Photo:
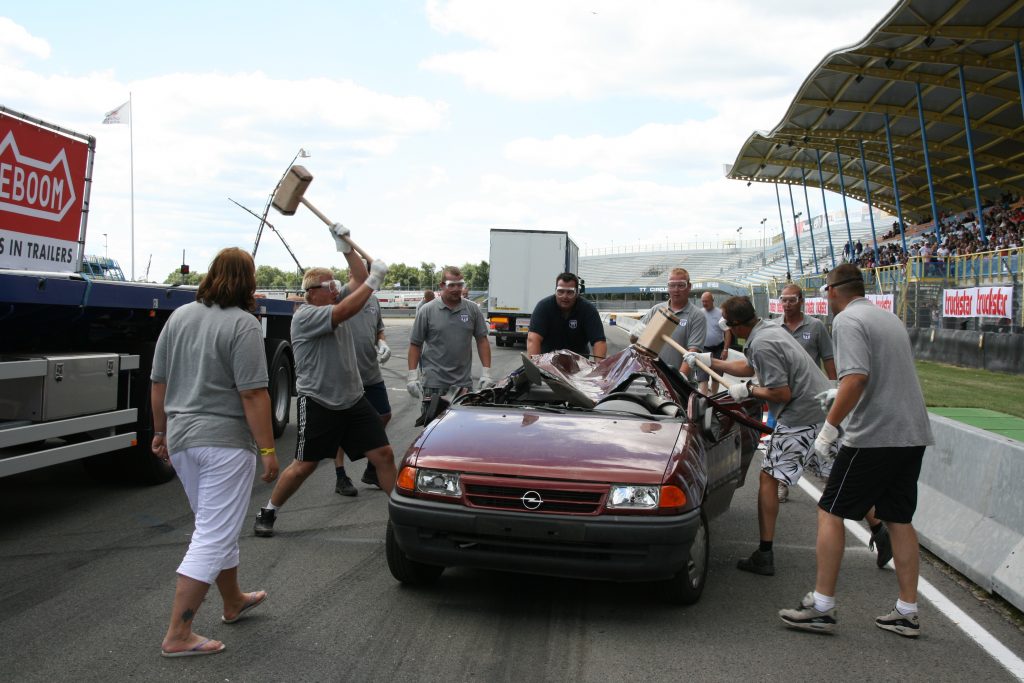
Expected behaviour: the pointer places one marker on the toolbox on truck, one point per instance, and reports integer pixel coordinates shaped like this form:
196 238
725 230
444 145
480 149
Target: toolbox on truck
70 385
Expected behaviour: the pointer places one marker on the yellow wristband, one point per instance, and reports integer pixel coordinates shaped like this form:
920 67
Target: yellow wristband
268 451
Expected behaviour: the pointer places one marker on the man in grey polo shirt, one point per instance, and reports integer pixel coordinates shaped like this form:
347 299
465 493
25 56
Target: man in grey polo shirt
367 328
808 331
790 383
333 409
692 329
441 343
880 461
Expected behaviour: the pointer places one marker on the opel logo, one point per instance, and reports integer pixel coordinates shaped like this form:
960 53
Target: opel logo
531 500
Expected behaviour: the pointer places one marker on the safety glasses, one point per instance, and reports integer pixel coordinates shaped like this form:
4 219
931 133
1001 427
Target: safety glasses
678 284
333 285
825 288
565 291
454 283
789 299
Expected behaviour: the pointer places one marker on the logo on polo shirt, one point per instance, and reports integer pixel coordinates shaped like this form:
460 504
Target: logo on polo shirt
572 324
464 317
807 335
683 321
371 310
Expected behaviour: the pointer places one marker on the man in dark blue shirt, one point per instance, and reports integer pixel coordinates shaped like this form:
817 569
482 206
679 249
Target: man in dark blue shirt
565 320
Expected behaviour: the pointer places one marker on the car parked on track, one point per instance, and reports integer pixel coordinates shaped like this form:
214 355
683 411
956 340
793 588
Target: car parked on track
571 468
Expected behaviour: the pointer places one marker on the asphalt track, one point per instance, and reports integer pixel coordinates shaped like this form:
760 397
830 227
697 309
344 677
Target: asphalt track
88 575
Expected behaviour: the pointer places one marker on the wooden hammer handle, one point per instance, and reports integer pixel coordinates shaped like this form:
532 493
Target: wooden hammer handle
329 222
711 373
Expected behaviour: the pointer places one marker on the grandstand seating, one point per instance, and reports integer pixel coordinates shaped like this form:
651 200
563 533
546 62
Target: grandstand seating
740 265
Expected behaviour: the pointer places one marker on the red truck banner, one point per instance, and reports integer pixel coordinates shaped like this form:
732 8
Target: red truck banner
978 302
42 185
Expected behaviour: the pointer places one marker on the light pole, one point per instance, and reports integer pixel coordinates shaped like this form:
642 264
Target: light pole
764 245
266 209
105 245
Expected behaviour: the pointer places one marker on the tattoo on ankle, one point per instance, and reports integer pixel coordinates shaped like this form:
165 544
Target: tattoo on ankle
187 615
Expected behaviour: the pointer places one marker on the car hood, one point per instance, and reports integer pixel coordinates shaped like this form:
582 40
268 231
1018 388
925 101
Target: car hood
522 442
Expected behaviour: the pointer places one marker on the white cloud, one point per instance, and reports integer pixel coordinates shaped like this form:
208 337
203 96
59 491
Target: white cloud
16 43
534 49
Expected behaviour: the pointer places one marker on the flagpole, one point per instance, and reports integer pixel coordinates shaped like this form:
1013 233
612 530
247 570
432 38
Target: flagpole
131 173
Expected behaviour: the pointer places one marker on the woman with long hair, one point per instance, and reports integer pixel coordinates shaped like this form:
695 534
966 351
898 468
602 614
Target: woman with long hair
211 416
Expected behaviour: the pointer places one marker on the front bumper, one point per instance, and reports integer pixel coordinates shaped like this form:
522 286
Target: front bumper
620 548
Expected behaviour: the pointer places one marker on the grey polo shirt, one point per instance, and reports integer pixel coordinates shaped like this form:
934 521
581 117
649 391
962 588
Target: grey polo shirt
714 334
780 362
446 336
891 411
690 333
206 355
365 327
812 334
326 368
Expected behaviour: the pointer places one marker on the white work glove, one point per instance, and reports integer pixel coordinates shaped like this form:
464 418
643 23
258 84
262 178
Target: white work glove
413 385
827 398
486 381
338 231
638 329
692 356
826 437
722 326
378 270
739 391
383 352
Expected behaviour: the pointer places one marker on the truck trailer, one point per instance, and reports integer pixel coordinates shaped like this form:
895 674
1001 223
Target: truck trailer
523 268
76 350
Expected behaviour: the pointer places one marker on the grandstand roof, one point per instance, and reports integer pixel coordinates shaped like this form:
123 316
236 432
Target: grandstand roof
845 98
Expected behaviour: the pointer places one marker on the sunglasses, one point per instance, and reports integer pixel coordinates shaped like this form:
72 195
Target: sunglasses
565 291
333 285
825 288
735 323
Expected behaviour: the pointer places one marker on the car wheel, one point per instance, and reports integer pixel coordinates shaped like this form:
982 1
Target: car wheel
405 570
686 587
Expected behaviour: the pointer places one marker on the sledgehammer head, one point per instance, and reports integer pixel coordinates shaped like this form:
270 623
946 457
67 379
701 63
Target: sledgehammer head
289 192
651 340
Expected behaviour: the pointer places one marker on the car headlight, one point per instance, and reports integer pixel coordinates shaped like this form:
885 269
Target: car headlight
438 483
633 497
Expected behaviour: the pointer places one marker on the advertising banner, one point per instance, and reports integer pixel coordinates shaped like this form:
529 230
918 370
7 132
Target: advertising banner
978 302
819 305
42 185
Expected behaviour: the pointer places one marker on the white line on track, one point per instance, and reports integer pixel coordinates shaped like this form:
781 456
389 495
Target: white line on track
974 630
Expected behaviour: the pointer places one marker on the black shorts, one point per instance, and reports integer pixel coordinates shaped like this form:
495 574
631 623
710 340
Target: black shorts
322 430
885 478
715 352
377 395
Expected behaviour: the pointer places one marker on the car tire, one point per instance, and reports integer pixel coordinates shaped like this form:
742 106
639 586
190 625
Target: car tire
409 572
685 588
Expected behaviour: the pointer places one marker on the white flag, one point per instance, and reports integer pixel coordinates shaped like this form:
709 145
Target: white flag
122 114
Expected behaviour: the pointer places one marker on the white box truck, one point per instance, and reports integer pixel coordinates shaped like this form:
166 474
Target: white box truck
524 265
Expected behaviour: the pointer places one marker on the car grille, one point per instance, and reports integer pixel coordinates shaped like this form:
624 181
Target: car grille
555 500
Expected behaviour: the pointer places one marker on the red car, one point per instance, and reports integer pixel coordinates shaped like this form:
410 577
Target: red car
575 469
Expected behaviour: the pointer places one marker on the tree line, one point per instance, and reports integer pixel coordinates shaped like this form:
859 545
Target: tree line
400 276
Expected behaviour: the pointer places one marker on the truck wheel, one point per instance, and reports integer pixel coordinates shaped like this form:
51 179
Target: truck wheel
686 587
282 378
405 570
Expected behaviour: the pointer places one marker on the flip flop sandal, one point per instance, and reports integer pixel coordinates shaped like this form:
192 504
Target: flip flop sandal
195 651
245 608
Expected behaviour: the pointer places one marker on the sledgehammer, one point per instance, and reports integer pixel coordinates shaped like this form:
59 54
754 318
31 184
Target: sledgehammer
289 195
659 332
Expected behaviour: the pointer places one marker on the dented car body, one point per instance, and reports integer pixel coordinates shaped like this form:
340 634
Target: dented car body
570 468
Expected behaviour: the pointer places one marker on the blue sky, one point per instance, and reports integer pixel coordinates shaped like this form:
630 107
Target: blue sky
428 122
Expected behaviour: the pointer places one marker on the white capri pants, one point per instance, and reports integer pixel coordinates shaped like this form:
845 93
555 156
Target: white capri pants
218 482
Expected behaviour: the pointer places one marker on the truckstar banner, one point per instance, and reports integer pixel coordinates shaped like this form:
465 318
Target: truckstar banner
819 305
978 302
42 185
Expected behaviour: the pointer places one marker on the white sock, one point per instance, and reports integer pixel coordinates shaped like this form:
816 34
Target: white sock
906 608
270 505
824 603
